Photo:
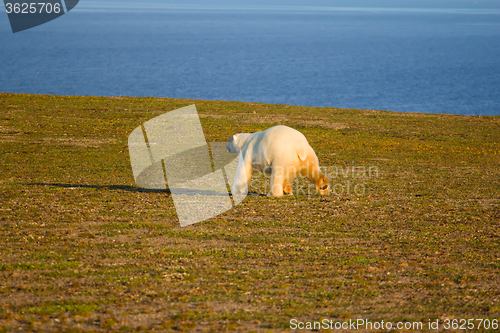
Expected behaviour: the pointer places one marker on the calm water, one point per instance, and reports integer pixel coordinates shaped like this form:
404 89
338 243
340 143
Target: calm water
440 59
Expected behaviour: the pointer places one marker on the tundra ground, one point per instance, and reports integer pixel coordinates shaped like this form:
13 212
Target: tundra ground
83 249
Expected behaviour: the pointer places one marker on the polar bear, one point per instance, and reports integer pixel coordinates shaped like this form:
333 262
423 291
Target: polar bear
281 152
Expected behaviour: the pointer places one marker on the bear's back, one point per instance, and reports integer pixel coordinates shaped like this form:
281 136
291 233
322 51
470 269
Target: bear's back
280 142
284 136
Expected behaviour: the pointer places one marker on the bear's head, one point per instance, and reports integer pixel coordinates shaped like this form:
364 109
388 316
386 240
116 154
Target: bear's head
322 185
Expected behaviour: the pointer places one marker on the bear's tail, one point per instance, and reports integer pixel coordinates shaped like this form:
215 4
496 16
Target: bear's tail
302 155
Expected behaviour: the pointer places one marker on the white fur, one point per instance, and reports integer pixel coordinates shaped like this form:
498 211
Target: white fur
279 151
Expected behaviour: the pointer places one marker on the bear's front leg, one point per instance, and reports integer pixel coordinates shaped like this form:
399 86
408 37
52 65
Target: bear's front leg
276 183
243 177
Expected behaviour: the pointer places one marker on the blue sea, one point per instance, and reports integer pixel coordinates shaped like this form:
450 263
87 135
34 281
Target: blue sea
440 56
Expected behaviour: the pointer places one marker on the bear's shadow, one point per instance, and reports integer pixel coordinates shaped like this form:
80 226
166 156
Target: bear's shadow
129 188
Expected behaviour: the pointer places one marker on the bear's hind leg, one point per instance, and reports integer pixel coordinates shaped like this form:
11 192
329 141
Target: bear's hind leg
276 183
291 173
